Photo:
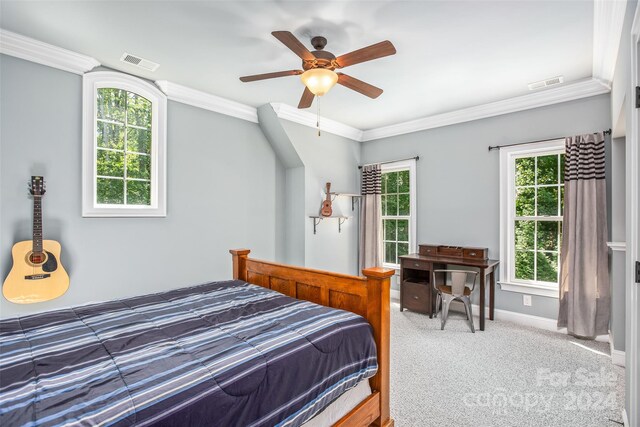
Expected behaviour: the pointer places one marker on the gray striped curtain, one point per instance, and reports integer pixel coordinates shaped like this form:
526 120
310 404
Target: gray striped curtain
585 302
371 217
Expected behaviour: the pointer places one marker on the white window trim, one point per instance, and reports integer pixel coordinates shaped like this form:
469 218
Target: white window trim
413 242
101 79
507 195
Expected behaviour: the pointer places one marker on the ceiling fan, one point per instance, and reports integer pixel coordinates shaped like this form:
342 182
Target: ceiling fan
319 75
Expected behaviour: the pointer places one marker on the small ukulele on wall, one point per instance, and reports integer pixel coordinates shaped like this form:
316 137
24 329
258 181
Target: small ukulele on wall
326 204
37 274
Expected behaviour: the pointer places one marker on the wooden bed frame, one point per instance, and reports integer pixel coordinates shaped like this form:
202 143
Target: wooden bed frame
367 296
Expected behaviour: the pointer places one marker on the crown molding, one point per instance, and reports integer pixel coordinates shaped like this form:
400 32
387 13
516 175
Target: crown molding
292 114
186 95
43 53
556 95
608 20
609 16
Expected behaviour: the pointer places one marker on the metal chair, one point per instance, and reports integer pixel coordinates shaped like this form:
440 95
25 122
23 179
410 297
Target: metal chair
457 289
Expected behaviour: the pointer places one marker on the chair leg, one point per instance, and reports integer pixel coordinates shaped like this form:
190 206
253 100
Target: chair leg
437 304
467 309
445 311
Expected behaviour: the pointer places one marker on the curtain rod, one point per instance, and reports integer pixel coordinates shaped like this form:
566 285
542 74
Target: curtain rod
497 147
416 158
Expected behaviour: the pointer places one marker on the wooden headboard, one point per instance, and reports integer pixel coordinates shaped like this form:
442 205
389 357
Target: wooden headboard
367 296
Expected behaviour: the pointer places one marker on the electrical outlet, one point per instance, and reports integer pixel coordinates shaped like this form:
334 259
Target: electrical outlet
526 300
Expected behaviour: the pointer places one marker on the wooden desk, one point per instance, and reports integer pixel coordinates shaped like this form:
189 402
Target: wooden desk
420 267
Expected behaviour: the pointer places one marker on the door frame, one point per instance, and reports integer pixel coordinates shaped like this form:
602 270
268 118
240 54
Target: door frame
633 238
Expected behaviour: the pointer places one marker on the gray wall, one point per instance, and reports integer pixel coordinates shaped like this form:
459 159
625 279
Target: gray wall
335 159
222 176
617 233
458 179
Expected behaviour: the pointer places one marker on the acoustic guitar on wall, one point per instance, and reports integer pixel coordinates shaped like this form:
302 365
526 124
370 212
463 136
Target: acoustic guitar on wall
326 204
37 274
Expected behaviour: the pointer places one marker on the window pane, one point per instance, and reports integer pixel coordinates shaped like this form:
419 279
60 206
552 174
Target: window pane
403 181
138 192
561 168
138 166
384 204
392 205
111 104
392 182
548 169
110 191
403 249
548 235
547 267
525 171
524 265
110 163
389 229
404 207
110 135
138 110
139 140
403 230
390 252
524 234
562 200
525 202
548 201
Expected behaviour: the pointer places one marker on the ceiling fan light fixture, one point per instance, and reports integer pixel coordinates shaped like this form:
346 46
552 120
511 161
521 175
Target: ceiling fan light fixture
319 80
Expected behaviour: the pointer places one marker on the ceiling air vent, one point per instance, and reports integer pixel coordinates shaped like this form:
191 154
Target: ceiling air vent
139 62
546 83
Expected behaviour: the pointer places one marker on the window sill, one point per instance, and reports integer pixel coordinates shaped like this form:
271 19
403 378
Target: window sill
543 291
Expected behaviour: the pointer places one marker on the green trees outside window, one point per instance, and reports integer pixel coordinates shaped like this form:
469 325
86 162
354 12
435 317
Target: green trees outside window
396 213
123 148
539 203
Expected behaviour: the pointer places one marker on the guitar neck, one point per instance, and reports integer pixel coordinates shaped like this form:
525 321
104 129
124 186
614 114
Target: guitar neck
37 224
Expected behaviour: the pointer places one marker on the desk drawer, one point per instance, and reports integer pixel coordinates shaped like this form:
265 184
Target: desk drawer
416 296
416 264
428 250
475 253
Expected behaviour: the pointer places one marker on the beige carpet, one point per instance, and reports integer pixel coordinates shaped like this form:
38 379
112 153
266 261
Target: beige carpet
508 375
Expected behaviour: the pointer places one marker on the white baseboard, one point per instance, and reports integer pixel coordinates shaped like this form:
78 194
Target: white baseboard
617 356
395 294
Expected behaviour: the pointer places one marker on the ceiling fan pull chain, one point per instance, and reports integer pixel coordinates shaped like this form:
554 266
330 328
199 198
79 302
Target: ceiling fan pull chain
318 115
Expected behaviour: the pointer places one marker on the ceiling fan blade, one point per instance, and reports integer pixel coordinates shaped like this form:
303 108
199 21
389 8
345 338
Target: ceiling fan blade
290 41
307 98
368 53
270 75
359 86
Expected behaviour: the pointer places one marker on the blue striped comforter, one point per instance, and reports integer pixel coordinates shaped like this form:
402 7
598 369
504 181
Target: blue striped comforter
221 354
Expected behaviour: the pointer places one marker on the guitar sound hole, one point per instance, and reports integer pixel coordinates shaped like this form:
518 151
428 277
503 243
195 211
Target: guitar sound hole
37 258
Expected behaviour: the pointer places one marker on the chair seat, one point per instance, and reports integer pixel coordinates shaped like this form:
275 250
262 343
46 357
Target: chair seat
447 289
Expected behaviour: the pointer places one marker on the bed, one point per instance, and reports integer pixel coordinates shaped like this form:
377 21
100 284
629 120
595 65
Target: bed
267 348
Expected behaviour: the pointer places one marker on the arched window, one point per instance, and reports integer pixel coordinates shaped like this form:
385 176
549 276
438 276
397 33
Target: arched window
124 147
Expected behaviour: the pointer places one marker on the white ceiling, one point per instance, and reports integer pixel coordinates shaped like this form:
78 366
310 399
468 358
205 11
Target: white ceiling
451 54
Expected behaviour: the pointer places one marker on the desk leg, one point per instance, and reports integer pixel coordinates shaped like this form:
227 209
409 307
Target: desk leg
492 293
481 314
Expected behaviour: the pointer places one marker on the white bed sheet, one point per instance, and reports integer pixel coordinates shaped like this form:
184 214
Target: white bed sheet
341 406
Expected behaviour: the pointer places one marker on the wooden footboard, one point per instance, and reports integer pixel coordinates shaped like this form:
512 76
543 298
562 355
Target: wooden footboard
367 296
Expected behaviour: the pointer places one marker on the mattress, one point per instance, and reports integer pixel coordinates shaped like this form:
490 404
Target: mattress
225 354
341 406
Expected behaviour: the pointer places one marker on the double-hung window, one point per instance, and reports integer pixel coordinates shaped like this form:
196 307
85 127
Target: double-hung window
398 211
532 201
124 144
